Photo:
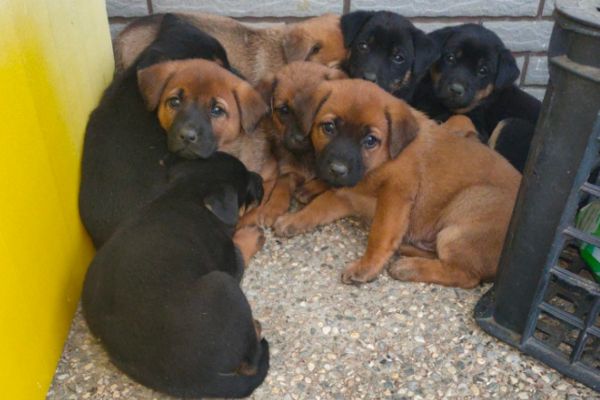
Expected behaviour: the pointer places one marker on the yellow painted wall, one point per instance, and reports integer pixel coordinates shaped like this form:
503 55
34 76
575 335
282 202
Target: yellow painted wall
55 60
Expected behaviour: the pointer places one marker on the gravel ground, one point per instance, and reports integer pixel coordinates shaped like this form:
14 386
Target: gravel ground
384 340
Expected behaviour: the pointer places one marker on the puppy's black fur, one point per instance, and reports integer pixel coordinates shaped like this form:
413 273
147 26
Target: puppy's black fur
475 76
387 49
125 149
512 138
163 293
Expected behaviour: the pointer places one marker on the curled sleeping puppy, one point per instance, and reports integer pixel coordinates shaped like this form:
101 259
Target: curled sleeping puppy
163 293
441 200
125 153
387 49
476 76
253 52
289 93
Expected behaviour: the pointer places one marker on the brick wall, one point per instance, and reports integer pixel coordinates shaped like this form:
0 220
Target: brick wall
524 25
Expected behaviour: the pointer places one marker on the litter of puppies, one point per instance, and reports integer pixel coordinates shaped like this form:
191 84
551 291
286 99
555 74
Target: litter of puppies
176 220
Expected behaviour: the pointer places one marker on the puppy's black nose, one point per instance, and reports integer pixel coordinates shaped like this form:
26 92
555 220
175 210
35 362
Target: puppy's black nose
457 89
338 168
188 135
370 76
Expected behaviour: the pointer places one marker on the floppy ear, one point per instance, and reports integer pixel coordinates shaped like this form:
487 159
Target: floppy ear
297 45
508 72
152 82
310 105
402 126
427 52
255 189
223 203
266 87
352 23
251 106
441 36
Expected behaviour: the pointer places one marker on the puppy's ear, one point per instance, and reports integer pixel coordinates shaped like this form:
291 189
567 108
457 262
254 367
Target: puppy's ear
223 203
297 45
266 87
310 105
427 52
255 190
508 72
441 36
251 106
152 82
352 24
402 126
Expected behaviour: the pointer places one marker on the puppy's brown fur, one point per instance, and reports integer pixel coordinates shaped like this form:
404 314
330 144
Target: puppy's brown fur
203 84
253 52
443 200
289 93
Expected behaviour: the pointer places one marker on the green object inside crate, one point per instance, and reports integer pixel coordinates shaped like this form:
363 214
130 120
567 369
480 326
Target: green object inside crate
588 220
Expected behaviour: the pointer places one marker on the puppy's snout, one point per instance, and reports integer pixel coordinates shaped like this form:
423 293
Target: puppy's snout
370 76
188 135
338 168
457 89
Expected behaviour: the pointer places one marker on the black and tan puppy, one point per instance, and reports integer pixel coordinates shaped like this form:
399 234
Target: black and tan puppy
125 152
387 49
476 76
442 200
255 53
163 293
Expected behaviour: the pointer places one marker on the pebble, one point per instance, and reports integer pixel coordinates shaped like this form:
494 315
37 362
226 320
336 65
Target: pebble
383 340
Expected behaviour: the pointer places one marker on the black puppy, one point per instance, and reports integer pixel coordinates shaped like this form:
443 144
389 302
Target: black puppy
125 149
163 293
476 76
386 48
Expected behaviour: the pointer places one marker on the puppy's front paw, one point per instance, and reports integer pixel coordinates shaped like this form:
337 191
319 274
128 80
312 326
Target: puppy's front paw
358 272
405 269
287 225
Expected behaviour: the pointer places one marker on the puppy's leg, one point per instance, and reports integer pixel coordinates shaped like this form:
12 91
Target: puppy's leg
249 240
390 224
461 125
276 204
328 207
311 189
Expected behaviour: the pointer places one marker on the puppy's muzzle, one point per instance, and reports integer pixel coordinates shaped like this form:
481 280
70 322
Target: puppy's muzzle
340 163
191 135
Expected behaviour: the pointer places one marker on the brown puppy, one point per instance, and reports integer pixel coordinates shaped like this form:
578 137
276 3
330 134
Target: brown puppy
443 200
253 52
204 108
289 93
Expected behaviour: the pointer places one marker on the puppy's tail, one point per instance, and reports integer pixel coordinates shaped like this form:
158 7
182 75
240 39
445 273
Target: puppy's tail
238 385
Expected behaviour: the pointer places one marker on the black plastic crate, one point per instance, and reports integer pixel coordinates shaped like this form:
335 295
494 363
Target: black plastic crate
544 300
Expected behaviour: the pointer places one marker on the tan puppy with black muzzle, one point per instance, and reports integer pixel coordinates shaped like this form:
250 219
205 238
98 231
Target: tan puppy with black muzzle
442 200
204 108
254 52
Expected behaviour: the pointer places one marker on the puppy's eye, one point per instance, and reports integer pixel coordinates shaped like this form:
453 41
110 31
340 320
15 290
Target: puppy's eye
450 58
483 70
217 111
283 109
370 142
328 128
398 58
363 46
315 49
174 102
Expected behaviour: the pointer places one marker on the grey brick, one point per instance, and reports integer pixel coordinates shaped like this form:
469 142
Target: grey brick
432 26
548 8
445 8
536 92
523 35
126 8
520 61
256 8
537 71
